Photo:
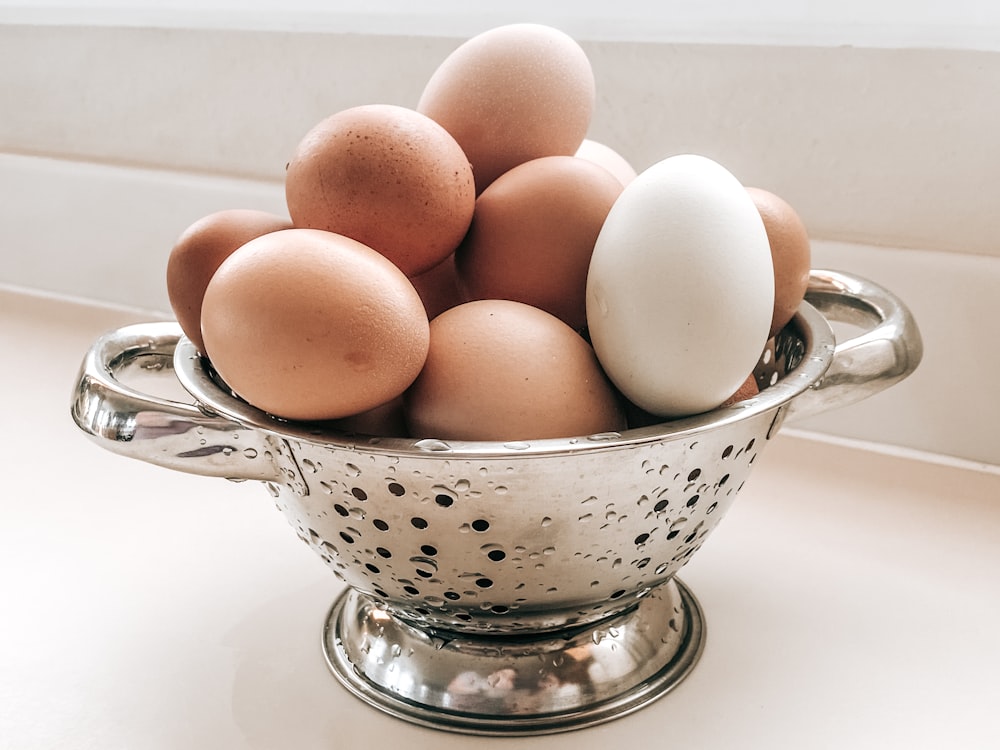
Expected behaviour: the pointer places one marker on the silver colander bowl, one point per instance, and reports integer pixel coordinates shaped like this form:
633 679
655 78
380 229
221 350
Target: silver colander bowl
502 588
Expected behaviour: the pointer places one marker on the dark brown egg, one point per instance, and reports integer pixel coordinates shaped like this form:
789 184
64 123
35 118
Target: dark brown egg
533 233
439 287
386 420
749 389
790 253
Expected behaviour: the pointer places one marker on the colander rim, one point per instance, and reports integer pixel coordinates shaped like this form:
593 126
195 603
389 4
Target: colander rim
196 376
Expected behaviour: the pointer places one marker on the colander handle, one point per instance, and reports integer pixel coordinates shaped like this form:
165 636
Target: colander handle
154 429
888 351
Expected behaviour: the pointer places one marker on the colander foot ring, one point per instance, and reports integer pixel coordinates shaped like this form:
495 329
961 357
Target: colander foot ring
523 684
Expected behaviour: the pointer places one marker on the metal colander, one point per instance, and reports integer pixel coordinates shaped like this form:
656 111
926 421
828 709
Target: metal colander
512 588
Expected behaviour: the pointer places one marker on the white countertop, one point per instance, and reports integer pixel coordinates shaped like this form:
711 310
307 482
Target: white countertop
852 598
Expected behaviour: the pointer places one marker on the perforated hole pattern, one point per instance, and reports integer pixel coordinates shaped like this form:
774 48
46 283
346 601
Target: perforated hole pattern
515 542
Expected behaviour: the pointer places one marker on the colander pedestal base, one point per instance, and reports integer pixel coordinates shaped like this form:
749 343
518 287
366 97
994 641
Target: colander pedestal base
522 684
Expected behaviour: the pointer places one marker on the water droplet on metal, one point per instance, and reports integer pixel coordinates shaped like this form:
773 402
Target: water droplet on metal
517 445
432 446
603 437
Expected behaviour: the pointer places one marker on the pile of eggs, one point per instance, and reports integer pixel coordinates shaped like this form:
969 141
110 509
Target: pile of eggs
476 268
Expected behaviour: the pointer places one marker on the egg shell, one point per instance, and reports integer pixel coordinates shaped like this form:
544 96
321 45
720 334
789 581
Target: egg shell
790 252
533 232
385 420
198 253
310 325
439 287
388 177
605 156
503 370
681 287
748 389
640 418
511 94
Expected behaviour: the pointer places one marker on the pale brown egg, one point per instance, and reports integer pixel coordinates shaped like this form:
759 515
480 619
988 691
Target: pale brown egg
511 94
388 177
503 370
199 252
608 158
790 252
310 325
533 233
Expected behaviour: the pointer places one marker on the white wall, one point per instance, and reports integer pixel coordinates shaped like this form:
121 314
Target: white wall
958 24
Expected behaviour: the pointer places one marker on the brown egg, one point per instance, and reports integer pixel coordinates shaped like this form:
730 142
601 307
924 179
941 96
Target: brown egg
388 177
533 233
200 250
511 94
439 287
310 325
749 389
638 417
790 252
386 420
503 370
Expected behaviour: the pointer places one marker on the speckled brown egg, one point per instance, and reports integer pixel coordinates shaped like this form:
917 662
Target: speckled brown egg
511 94
310 325
790 252
199 252
533 233
503 370
388 177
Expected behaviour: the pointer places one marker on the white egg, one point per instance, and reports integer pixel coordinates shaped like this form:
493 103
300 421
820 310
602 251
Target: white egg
680 288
